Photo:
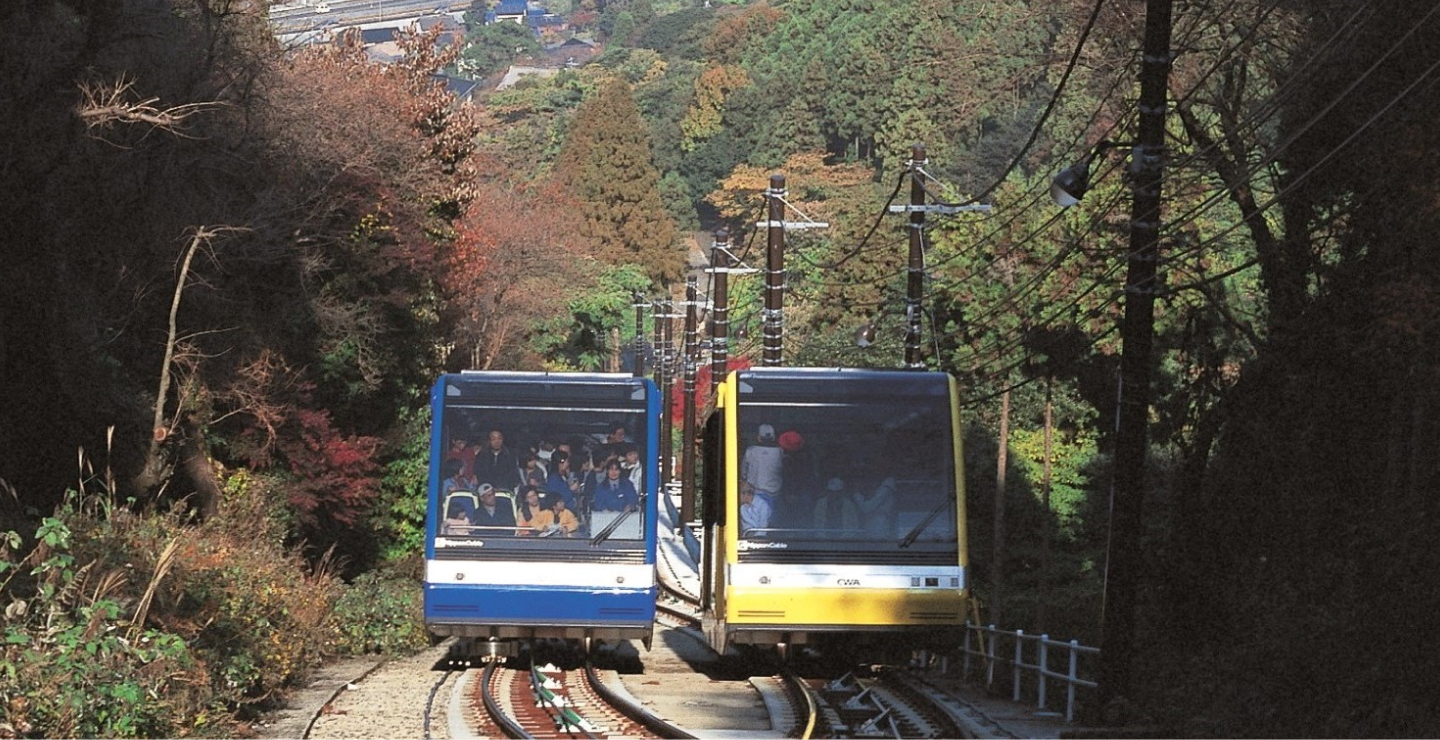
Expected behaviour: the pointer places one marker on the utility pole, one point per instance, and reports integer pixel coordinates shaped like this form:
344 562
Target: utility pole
658 338
667 394
655 342
775 226
1137 331
915 269
720 311
997 553
639 306
774 313
1046 487
687 435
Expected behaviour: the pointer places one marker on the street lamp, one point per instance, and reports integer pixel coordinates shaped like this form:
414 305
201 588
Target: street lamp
1071 184
865 335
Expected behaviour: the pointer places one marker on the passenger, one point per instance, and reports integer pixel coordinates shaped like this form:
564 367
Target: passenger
546 449
455 478
455 520
497 465
615 492
603 454
754 511
791 442
462 450
561 482
590 476
530 463
557 521
799 479
631 467
835 510
615 498
492 511
875 509
761 466
617 434
530 509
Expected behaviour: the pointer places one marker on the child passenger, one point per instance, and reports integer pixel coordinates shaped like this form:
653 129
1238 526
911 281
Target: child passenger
455 520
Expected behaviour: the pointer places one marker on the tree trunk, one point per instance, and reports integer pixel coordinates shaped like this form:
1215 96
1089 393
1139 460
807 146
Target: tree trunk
997 565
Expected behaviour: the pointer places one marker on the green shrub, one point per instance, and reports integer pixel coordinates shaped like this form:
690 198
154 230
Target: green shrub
118 624
381 612
73 663
399 516
122 625
255 609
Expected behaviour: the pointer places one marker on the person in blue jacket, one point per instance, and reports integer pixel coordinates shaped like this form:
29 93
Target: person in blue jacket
615 492
562 482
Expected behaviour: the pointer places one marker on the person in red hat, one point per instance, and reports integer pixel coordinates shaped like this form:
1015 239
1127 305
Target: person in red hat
800 477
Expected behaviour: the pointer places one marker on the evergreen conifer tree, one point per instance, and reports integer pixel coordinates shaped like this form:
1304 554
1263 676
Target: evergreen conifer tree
606 165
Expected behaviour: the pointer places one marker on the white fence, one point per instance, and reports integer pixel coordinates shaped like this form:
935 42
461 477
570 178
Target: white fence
1031 661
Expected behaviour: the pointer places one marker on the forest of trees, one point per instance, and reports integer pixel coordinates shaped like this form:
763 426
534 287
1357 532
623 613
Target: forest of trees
224 258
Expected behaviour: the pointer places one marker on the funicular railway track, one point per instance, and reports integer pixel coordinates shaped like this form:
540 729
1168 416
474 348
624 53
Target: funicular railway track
886 705
889 704
550 702
677 617
806 699
676 608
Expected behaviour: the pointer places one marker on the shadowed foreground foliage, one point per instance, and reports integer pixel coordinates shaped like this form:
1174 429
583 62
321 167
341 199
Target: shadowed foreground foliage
141 625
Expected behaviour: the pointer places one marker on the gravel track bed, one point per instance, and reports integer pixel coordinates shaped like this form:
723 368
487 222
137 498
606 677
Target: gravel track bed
389 703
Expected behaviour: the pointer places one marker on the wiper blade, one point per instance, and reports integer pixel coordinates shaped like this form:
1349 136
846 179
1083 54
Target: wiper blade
915 533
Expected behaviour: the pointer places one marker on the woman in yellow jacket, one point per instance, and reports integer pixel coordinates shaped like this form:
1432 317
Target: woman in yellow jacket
529 510
557 521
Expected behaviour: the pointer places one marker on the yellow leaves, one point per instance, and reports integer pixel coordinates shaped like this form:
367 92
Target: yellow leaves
371 224
810 182
711 88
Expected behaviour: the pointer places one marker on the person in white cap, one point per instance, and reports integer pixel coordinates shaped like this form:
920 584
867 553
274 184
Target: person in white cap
760 467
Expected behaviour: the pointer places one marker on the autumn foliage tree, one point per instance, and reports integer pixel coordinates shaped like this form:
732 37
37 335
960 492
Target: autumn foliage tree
336 475
703 119
323 184
517 256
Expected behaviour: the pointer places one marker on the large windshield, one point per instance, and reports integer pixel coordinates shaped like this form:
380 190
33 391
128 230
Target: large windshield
823 470
566 469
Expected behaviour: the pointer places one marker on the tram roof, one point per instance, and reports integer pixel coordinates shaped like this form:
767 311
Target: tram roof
480 385
812 381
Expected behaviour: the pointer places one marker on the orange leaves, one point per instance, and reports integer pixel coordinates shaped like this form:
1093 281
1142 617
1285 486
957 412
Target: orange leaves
733 33
513 254
390 124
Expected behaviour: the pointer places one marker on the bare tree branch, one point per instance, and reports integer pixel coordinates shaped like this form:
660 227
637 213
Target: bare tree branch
105 105
202 236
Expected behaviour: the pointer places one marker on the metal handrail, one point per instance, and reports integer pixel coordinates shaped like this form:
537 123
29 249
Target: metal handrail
988 651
